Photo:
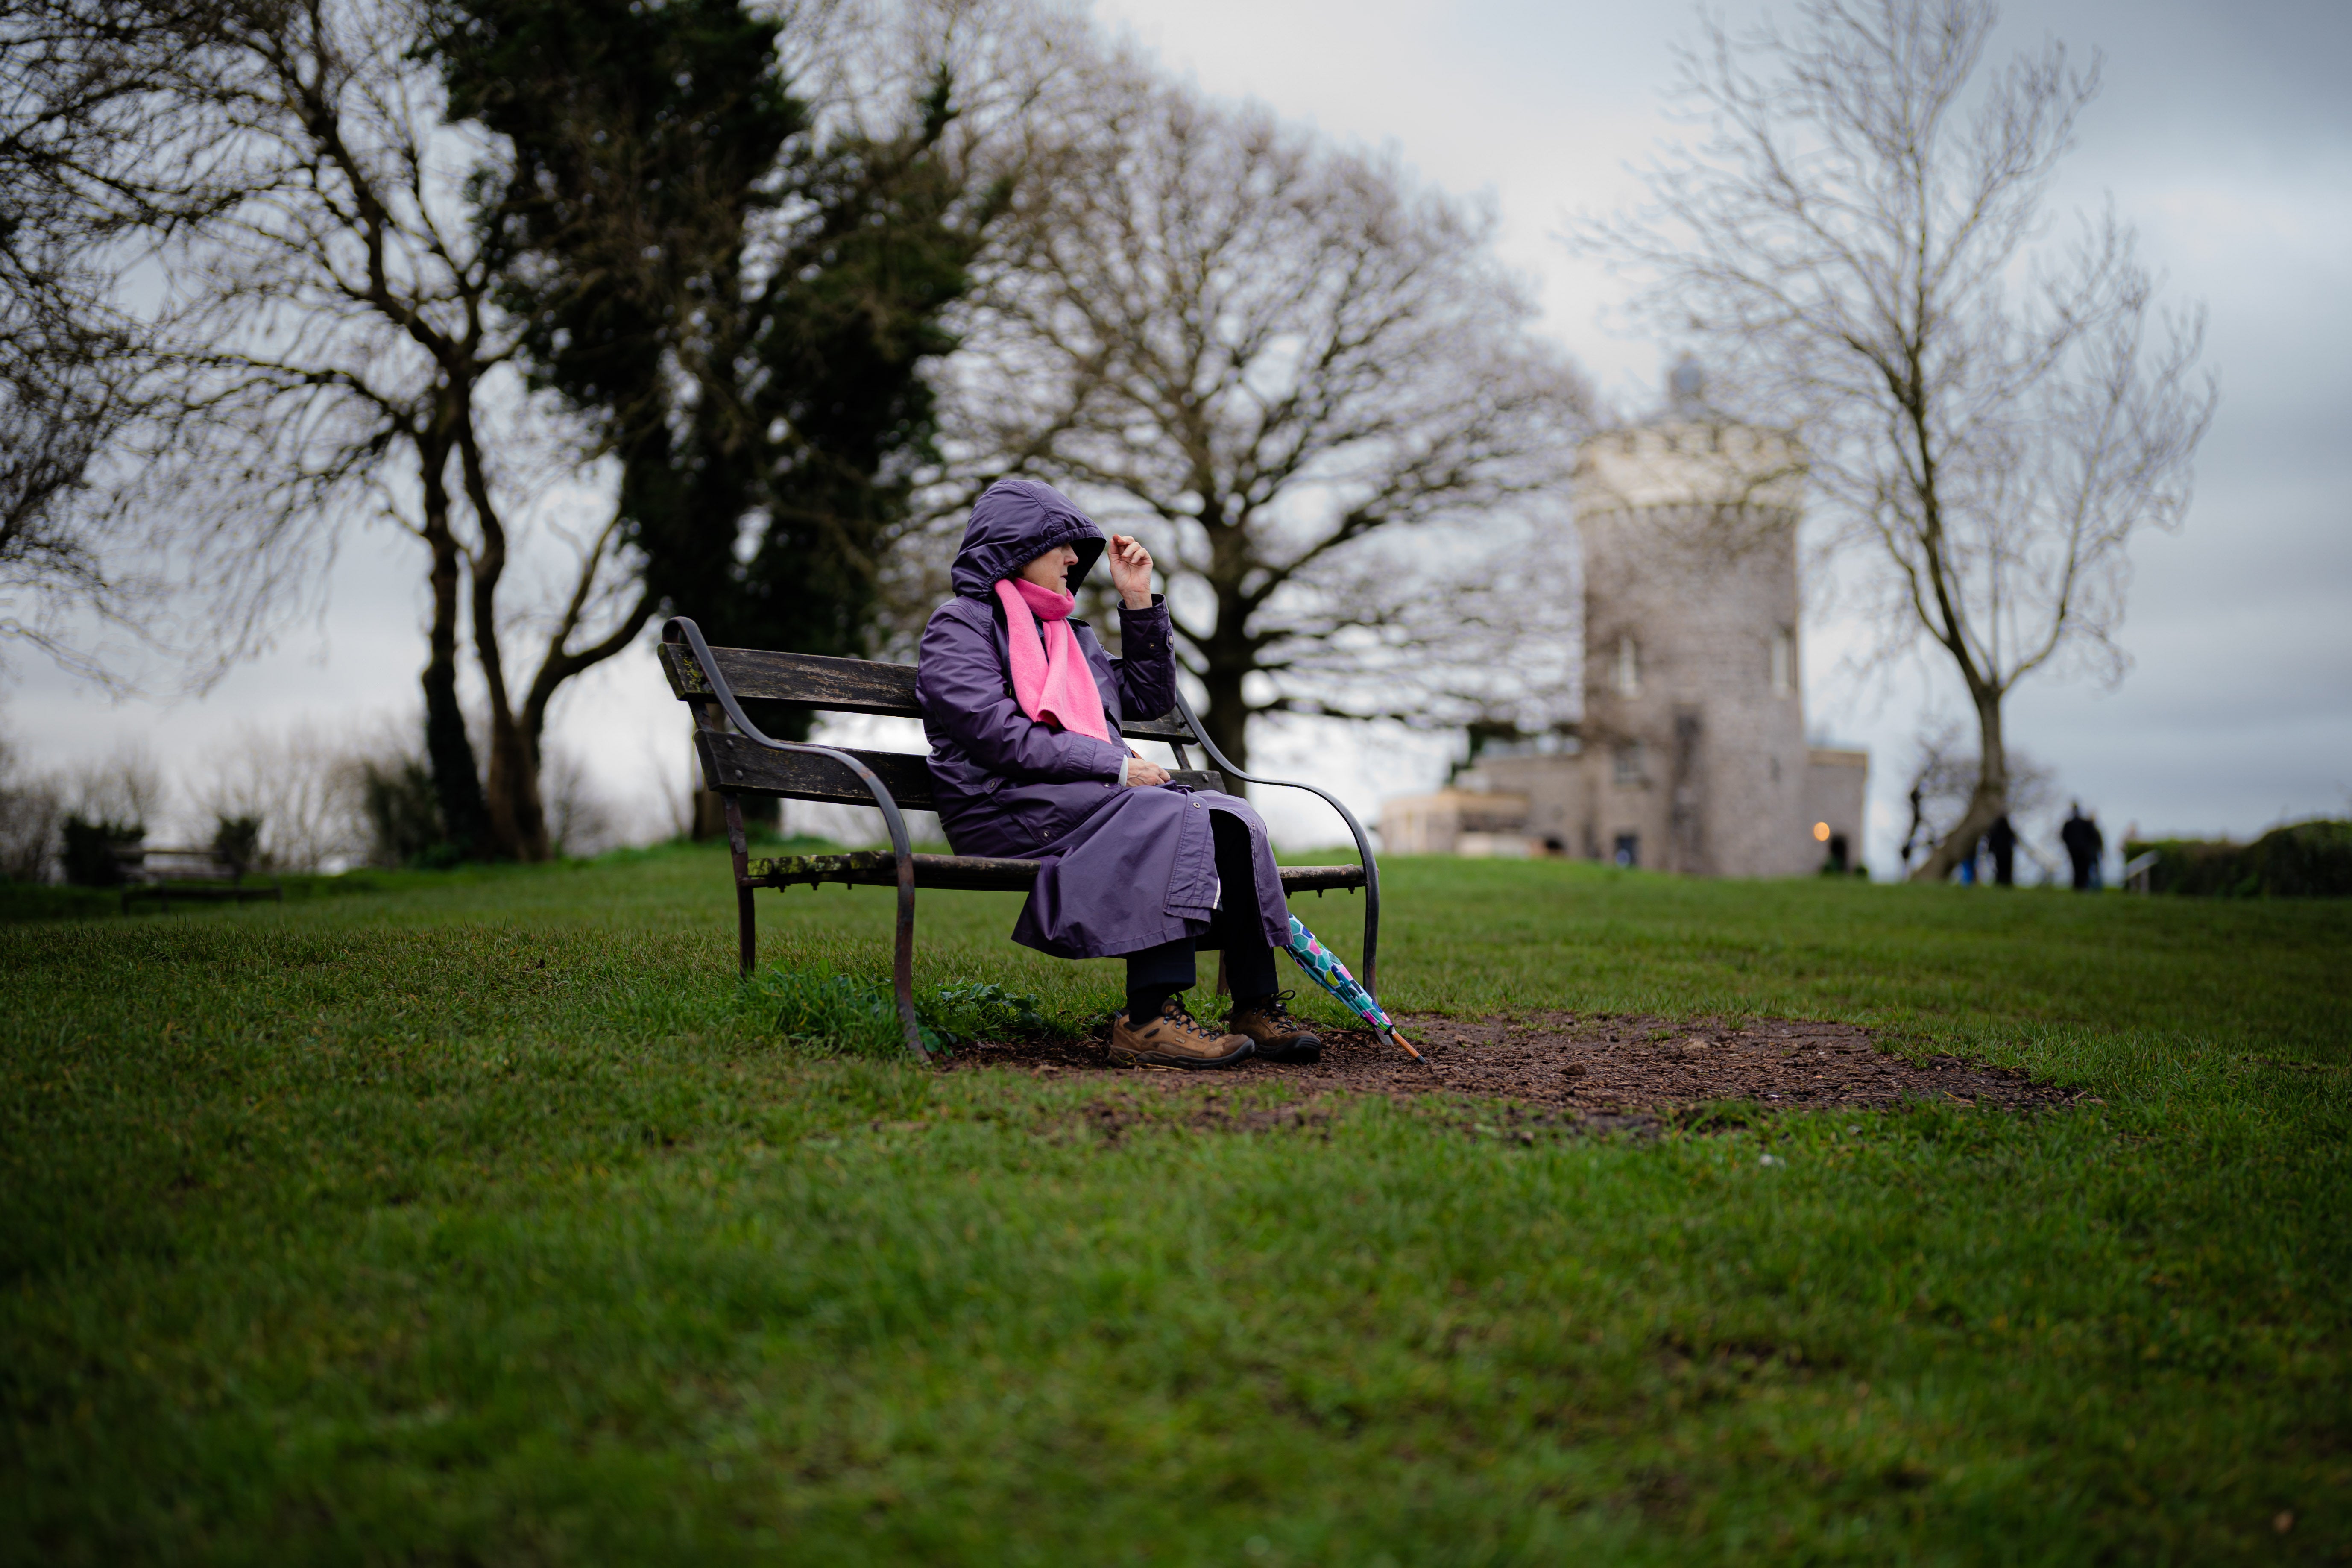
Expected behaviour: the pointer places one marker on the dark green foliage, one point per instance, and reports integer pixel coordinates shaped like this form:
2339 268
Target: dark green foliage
832 1012
2302 861
671 211
980 1010
402 808
89 856
859 1016
238 840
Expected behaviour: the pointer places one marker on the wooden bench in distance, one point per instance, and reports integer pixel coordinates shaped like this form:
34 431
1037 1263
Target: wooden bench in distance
738 760
186 874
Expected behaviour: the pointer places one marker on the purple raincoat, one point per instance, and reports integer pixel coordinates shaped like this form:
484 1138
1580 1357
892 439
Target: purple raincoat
1126 869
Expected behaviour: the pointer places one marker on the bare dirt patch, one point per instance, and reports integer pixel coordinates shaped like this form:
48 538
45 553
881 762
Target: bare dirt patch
1588 1068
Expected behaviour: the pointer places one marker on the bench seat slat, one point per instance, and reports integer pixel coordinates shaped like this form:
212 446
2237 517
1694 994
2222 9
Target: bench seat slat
235 892
840 686
978 873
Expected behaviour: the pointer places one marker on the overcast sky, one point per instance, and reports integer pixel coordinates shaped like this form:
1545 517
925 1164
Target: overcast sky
2224 134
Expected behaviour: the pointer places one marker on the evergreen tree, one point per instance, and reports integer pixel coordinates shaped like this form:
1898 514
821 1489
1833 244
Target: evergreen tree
740 300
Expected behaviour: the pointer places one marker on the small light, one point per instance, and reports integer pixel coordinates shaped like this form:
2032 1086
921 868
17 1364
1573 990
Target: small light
1821 833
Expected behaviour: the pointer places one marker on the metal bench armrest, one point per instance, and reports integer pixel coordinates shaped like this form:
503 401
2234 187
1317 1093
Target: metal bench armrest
680 629
1364 844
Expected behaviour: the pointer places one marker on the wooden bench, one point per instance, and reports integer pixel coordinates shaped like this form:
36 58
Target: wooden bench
204 875
738 760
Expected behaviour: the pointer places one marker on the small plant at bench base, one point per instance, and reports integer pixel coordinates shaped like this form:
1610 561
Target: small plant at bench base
857 1015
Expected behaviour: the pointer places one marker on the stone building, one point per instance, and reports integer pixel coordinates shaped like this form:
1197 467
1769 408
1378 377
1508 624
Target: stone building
1691 754
1462 821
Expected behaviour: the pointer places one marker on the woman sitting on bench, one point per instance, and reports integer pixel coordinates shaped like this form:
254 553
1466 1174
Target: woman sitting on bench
1023 709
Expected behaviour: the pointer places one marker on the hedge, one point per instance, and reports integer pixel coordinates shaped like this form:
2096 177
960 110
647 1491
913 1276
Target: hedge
2301 860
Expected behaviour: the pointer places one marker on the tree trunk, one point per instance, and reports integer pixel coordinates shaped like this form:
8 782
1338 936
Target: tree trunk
1227 656
1987 806
449 754
518 824
1226 719
518 816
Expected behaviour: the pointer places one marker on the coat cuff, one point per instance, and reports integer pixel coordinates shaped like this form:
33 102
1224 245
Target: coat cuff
1145 627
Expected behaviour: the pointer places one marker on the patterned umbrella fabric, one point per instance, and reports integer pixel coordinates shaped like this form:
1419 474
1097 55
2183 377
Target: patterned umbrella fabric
1323 967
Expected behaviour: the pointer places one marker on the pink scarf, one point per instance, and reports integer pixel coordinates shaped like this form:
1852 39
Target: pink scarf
1051 678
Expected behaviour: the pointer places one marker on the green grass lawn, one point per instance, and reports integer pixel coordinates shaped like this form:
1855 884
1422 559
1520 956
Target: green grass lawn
484 1218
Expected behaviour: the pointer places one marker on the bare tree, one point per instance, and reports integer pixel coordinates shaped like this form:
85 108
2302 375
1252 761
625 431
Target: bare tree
580 819
338 346
1943 774
1862 241
126 785
1309 381
298 782
31 814
87 145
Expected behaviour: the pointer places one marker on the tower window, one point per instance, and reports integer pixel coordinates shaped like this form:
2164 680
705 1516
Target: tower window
1628 761
1784 662
1629 667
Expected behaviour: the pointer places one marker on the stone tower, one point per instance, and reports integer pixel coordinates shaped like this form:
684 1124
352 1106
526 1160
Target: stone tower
1691 755
1694 730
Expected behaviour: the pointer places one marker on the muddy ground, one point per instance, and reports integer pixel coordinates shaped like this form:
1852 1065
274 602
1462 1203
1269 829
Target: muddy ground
1600 1070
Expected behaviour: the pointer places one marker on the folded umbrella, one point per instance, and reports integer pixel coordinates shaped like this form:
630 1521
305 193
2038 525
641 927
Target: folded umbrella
1323 967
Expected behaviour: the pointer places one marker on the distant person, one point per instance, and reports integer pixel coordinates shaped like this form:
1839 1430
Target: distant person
2001 839
2085 844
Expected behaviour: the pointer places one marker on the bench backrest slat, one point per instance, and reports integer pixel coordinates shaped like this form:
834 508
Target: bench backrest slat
735 762
842 686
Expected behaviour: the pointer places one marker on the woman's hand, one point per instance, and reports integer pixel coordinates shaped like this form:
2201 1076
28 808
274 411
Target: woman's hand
1143 775
1131 571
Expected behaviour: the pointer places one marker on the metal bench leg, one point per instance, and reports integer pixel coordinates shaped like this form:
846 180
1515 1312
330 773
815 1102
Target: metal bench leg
902 961
747 923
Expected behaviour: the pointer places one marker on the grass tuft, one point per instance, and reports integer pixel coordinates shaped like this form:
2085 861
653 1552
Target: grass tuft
851 1014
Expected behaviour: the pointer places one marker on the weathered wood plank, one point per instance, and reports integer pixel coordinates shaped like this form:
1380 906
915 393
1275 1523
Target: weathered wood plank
870 867
734 762
803 680
840 686
874 867
1168 726
1321 879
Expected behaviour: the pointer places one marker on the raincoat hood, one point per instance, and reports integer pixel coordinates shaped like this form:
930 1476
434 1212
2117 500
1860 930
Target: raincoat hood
1012 524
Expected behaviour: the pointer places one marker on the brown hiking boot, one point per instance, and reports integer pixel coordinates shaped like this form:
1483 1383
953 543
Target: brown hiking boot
1278 1036
1175 1039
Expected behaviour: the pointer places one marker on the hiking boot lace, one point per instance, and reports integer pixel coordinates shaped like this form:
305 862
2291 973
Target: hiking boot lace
1176 1013
1273 1010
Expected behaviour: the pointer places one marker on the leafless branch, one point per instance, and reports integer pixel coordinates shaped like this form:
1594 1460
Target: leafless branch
1265 355
1859 237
